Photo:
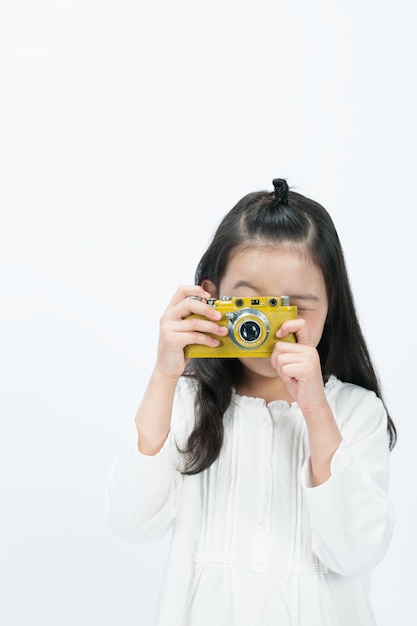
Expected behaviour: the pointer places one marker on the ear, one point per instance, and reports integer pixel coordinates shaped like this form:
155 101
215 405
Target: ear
209 286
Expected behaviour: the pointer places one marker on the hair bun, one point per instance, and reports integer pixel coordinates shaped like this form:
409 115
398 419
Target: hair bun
281 190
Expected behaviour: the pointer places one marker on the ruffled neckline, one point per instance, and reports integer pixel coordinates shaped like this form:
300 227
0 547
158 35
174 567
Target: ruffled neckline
254 402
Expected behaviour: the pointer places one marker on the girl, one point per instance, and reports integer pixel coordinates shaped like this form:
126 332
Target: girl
272 472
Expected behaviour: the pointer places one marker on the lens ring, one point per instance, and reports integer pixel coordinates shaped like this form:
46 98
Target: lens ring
255 329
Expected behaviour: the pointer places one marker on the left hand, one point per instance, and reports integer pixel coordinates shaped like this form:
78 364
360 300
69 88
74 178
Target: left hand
298 365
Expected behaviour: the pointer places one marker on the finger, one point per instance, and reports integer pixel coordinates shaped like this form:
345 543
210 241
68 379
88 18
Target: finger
189 306
298 327
178 341
201 339
278 360
287 376
295 353
184 303
198 325
300 369
285 353
198 307
185 291
291 357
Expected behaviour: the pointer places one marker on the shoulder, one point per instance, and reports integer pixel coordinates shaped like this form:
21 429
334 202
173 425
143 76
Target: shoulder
350 394
358 411
347 395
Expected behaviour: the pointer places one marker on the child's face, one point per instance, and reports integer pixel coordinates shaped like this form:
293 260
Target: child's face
274 271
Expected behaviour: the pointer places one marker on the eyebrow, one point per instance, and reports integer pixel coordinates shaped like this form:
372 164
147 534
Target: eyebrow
245 283
304 296
299 296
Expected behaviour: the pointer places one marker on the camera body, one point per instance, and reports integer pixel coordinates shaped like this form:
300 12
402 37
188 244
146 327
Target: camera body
252 323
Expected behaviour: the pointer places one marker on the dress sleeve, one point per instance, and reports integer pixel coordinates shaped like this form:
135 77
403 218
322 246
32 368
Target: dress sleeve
350 514
143 491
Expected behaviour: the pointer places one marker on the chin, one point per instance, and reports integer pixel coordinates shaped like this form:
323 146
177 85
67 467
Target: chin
260 366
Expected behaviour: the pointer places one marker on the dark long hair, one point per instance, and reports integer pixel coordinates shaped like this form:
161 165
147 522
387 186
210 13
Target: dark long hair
278 217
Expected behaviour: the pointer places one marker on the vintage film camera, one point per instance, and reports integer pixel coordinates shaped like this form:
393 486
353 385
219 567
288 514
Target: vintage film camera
252 323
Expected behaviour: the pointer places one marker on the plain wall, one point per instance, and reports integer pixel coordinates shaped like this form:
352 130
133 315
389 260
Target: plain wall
127 131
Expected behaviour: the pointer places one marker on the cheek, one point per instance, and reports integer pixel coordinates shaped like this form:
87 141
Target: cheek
318 330
315 324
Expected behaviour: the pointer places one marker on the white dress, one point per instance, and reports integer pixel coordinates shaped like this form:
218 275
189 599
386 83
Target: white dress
253 543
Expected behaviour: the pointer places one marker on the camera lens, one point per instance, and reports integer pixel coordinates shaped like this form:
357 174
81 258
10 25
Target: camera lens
248 328
250 331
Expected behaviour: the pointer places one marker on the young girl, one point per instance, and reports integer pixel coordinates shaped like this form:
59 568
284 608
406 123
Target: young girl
272 472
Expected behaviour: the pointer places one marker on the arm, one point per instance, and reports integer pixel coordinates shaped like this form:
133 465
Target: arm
345 480
145 480
142 491
350 514
153 418
298 365
176 331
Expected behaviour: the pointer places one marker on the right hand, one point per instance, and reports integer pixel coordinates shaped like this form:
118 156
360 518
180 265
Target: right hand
176 331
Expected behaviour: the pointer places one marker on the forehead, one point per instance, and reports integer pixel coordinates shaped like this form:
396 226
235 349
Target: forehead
272 270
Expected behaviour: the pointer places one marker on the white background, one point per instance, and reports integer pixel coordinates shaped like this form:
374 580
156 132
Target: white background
127 130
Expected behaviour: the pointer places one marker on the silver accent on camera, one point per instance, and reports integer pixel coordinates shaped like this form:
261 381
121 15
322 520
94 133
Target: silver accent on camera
232 316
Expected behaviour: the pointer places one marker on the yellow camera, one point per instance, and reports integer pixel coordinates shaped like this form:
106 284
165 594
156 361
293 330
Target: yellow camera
252 323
